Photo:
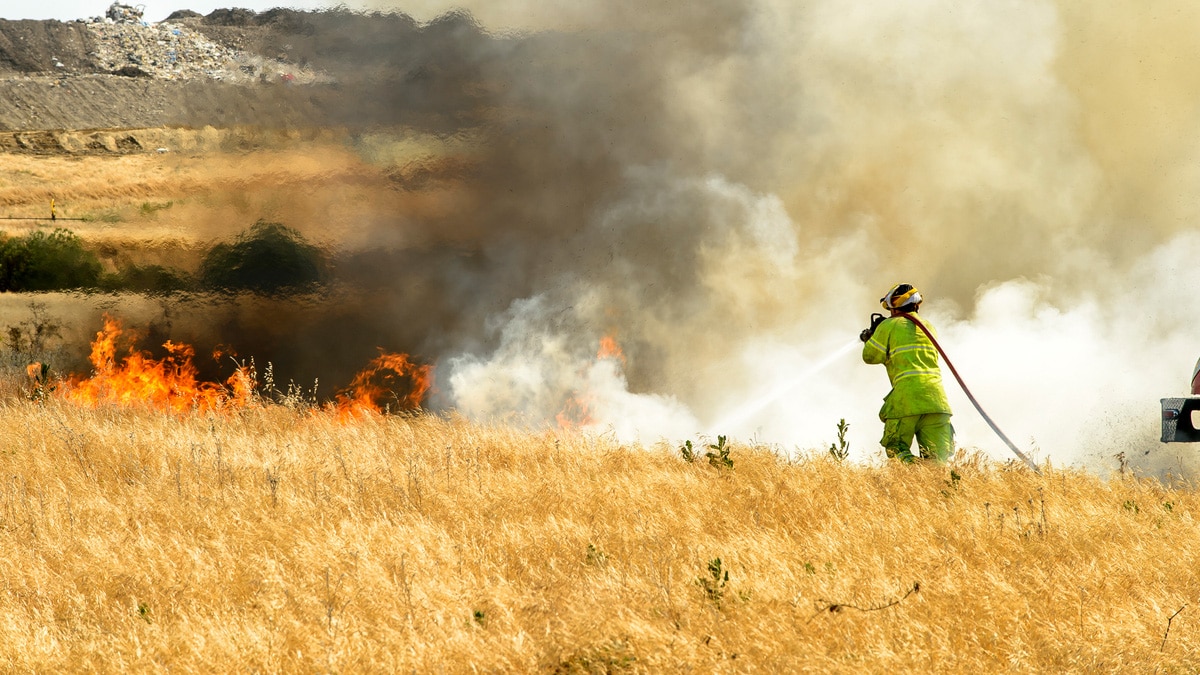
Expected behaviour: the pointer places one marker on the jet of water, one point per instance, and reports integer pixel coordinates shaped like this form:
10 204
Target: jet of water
749 409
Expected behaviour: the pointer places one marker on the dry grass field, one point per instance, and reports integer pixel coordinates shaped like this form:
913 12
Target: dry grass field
214 183
282 539
278 539
702 183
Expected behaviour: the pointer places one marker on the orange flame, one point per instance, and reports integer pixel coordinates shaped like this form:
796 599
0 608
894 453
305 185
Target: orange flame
576 410
389 382
168 384
609 349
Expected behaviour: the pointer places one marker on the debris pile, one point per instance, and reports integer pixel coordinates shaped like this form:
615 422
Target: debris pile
119 13
126 45
162 50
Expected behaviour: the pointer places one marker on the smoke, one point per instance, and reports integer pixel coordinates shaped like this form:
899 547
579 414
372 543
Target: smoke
725 189
728 194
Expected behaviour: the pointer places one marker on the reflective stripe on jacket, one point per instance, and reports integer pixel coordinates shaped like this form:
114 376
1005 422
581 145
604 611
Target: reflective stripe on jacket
912 367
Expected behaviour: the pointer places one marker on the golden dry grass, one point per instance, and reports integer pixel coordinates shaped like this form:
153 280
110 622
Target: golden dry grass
337 189
276 540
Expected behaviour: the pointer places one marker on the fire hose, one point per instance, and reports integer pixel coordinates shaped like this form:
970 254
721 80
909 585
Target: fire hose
970 396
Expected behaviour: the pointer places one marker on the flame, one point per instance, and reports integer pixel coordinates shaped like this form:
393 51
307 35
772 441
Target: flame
169 383
577 408
389 382
576 411
609 349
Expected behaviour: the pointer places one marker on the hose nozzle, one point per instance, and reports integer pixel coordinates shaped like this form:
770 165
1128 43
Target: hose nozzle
866 333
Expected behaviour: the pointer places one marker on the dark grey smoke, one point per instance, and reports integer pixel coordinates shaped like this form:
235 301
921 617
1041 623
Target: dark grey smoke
568 128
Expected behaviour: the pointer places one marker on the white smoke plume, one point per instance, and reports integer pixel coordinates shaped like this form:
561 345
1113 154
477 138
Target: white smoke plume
727 190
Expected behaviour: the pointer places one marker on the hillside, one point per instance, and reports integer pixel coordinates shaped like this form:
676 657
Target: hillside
277 69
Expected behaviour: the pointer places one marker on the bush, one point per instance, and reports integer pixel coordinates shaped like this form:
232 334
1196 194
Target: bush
266 258
46 262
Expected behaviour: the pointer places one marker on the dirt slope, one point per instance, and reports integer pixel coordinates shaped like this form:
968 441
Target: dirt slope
106 101
361 71
36 46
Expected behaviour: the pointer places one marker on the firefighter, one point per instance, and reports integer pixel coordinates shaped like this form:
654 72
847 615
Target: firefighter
916 405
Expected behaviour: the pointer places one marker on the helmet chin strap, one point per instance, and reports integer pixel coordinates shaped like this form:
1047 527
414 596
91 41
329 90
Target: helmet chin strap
1011 446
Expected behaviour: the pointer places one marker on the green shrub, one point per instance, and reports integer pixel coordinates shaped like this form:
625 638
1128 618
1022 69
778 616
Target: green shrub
266 258
47 262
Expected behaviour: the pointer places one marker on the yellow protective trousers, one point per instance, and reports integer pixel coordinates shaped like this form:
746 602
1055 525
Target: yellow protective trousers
933 431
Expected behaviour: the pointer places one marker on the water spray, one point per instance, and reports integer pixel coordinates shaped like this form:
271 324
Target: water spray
752 407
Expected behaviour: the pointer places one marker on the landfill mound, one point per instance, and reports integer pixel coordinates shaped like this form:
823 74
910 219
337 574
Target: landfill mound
232 68
176 50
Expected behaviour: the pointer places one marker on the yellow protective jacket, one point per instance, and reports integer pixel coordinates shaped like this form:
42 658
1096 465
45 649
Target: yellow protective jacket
912 367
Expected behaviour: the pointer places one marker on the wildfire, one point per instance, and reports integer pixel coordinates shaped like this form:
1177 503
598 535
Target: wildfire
576 411
609 349
169 383
390 382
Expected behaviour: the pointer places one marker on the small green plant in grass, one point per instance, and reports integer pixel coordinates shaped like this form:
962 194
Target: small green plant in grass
952 484
713 583
150 208
840 450
687 452
718 454
596 557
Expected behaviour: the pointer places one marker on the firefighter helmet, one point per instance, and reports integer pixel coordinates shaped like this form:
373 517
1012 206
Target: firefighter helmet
901 296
